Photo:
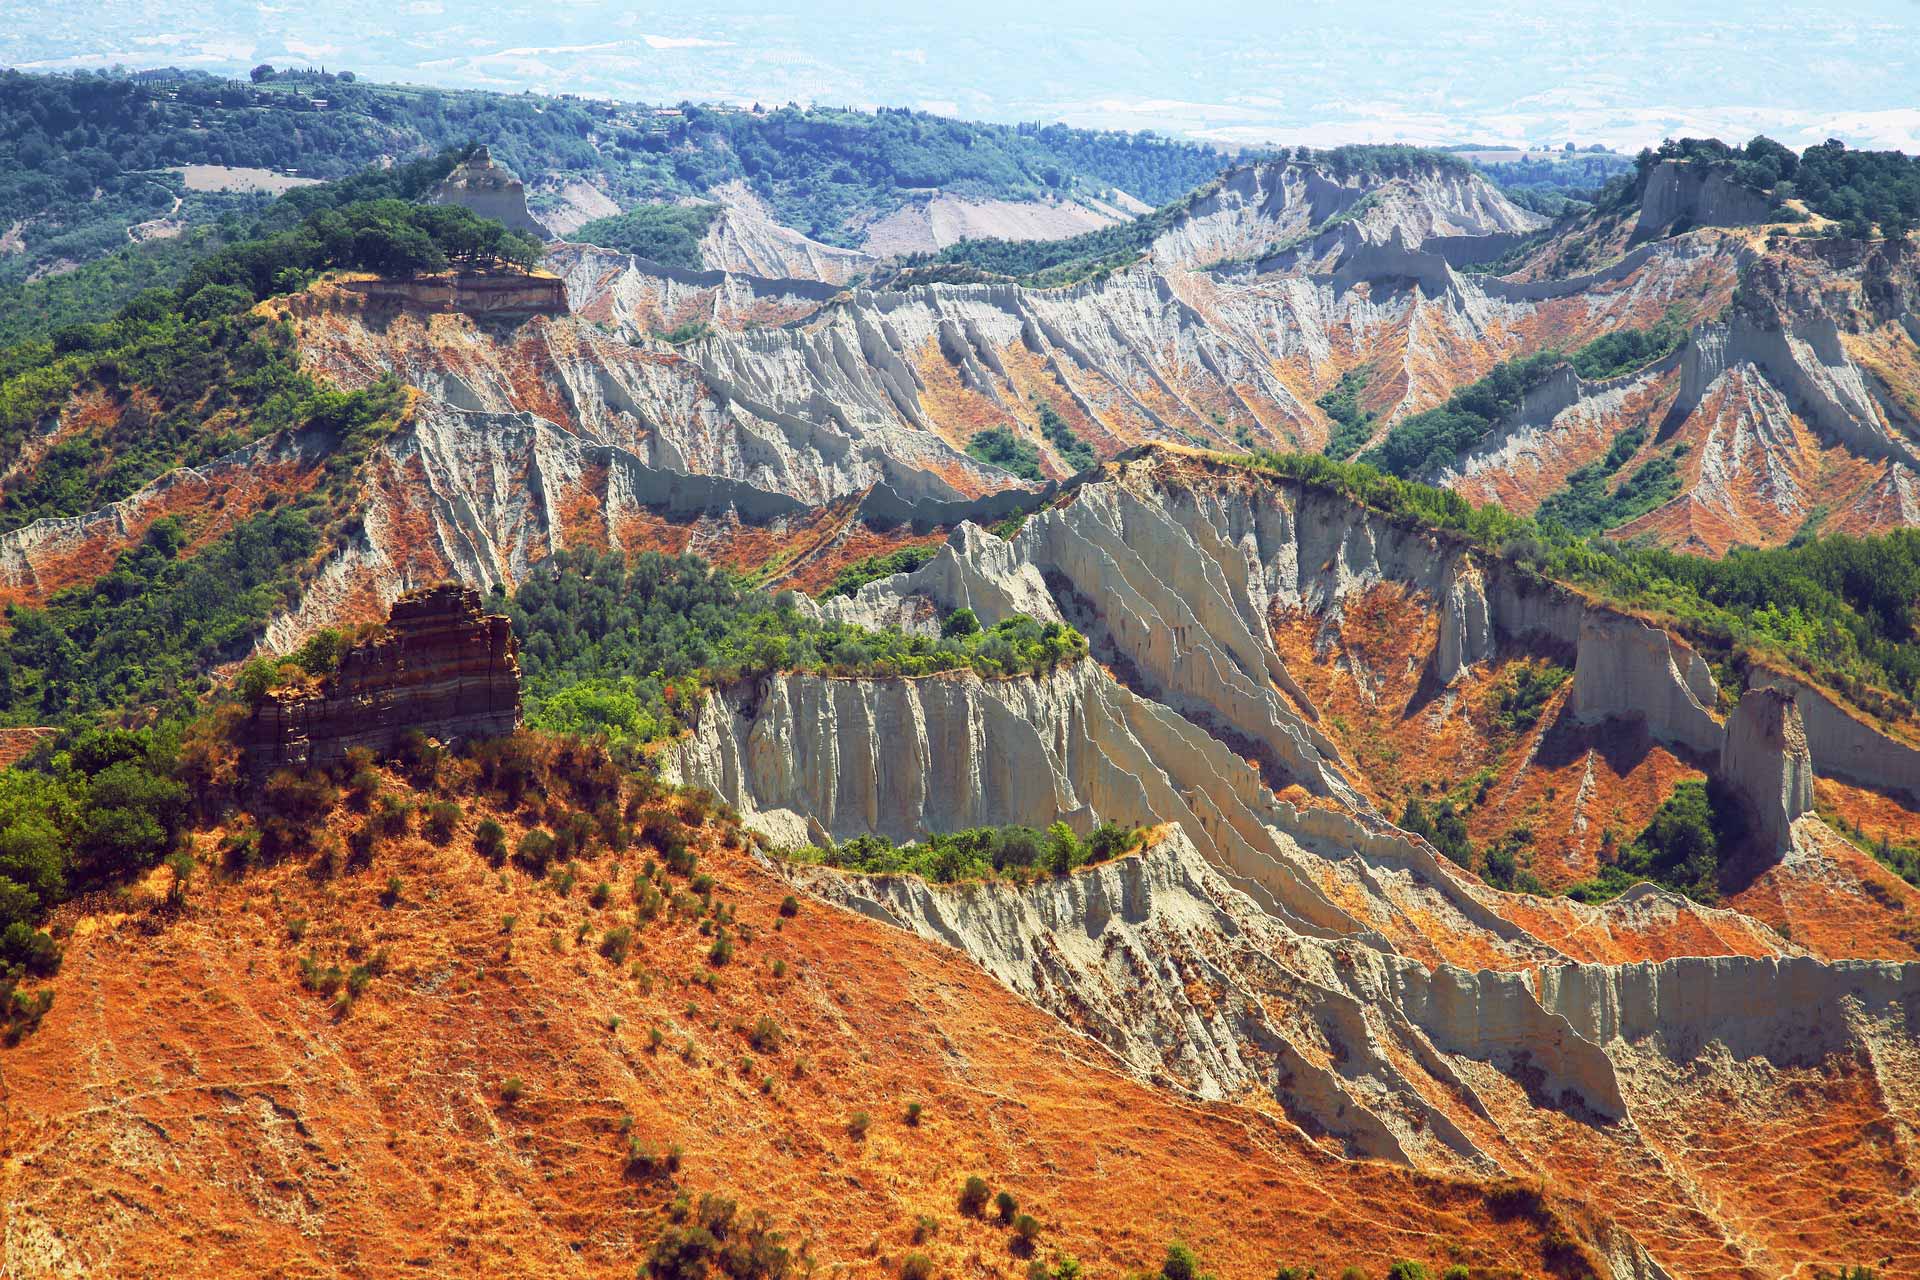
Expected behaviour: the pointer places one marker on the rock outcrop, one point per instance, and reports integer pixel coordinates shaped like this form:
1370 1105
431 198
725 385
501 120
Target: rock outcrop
510 294
489 189
1690 193
1766 761
440 668
1628 670
746 239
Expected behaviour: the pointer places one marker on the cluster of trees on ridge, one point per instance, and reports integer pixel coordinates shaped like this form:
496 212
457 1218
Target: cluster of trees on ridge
624 648
1859 190
978 853
666 233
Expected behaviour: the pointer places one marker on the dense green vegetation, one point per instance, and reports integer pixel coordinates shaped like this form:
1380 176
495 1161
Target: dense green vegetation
101 805
1558 186
1442 825
1587 505
624 649
1625 350
389 236
999 447
151 628
63 138
1681 848
1841 608
1352 425
99 288
978 853
1517 702
1074 451
666 233
876 567
1437 438
1578 506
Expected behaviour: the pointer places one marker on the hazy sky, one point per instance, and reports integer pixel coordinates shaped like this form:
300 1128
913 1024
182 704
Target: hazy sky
1623 72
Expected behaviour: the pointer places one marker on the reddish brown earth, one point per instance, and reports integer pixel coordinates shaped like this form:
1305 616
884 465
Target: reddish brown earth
1369 673
187 1103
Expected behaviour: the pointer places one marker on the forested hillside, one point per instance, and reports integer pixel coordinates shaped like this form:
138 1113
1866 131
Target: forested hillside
84 157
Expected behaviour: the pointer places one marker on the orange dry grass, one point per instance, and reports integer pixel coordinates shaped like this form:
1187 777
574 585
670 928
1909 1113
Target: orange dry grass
188 1105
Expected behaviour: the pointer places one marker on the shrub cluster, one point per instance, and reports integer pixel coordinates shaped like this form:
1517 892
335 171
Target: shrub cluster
979 853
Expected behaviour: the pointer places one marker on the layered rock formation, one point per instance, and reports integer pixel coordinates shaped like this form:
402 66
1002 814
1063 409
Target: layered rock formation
1189 714
439 668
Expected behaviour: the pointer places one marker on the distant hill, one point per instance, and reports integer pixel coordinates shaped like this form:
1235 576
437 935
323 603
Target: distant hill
83 158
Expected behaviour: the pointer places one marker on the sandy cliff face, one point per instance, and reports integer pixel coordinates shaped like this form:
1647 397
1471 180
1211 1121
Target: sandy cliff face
745 238
489 189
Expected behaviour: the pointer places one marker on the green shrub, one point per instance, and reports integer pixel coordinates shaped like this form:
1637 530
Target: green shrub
875 567
973 1196
1402 1269
511 1090
1006 1206
766 1035
1181 1263
535 850
858 1124
916 1266
999 447
438 820
490 841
